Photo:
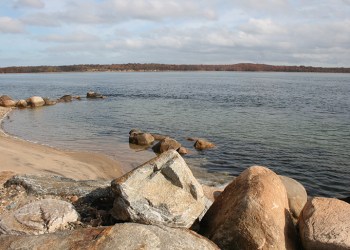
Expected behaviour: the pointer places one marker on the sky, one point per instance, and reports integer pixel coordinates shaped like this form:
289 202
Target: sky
279 32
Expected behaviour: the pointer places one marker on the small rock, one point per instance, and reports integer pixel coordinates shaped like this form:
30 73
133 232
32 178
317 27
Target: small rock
159 137
65 98
74 198
161 191
21 104
141 138
202 144
49 102
43 216
324 223
92 94
35 101
182 151
7 101
165 145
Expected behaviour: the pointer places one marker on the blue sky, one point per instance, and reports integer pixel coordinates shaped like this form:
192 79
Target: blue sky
298 32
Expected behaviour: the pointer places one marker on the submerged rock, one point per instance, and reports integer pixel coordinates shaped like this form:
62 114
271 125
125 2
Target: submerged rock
36 101
201 144
251 213
325 224
165 145
297 196
49 102
43 216
65 98
92 94
7 101
161 191
120 236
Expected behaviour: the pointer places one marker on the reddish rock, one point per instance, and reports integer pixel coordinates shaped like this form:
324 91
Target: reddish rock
203 144
182 151
165 145
251 213
325 224
7 101
141 138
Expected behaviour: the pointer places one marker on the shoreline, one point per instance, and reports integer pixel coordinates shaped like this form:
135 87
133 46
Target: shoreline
23 157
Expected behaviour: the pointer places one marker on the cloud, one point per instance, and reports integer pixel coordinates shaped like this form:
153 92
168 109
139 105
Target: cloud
10 25
79 37
29 3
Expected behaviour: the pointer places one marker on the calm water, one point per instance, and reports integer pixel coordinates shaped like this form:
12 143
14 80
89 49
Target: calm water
297 124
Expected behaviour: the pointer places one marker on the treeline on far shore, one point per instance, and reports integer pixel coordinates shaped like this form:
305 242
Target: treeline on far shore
170 67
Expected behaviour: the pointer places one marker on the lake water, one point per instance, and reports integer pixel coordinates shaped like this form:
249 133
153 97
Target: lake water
297 124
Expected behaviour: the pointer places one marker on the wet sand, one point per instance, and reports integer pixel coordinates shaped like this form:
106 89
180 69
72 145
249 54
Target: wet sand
24 157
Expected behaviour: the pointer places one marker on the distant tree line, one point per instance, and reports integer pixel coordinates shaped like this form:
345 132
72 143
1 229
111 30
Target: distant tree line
169 67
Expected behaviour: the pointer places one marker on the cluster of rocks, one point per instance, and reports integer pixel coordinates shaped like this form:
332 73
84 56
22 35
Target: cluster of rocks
160 205
165 143
38 101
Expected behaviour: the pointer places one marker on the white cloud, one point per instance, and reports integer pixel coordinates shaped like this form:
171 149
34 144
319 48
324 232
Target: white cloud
79 37
10 25
29 3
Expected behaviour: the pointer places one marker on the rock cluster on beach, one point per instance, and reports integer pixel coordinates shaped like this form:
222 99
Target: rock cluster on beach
38 101
160 205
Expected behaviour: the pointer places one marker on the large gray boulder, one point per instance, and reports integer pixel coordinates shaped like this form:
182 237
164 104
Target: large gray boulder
43 216
325 224
161 191
251 213
120 236
36 101
297 196
41 185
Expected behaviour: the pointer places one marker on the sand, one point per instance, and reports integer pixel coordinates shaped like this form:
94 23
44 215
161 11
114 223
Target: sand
24 157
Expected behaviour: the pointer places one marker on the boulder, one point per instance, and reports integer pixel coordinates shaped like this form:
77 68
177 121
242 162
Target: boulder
142 139
135 130
21 104
65 98
159 137
7 101
43 216
203 144
161 191
41 185
324 223
49 102
165 145
251 213
35 101
297 196
120 236
92 94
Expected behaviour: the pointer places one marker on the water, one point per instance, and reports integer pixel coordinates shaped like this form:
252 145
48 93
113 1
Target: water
297 124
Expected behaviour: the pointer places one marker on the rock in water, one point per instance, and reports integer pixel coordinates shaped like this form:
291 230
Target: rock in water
161 191
92 94
7 101
251 213
36 101
118 237
65 98
21 104
43 216
325 224
165 145
49 102
297 196
203 144
142 139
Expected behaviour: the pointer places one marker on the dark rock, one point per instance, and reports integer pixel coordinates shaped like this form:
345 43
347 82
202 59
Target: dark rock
65 98
251 213
118 237
135 131
161 191
165 145
92 94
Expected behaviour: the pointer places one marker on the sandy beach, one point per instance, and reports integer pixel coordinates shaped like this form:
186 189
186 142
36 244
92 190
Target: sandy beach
24 157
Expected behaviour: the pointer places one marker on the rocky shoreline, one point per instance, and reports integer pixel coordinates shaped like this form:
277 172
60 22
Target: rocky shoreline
161 205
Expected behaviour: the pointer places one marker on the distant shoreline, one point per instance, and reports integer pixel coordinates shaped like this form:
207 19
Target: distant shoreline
154 67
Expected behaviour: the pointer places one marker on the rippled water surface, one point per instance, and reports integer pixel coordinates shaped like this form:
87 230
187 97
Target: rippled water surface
297 124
